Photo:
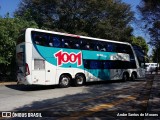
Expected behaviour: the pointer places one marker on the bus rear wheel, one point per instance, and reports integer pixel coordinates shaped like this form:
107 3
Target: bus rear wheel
64 81
133 76
125 77
79 80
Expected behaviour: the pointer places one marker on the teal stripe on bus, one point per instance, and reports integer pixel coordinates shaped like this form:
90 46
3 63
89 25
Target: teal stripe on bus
48 54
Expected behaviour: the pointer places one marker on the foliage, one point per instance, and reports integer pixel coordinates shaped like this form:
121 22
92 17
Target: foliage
154 32
108 19
156 54
150 10
140 42
10 28
97 18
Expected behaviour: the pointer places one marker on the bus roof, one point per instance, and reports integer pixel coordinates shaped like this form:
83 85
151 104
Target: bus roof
77 36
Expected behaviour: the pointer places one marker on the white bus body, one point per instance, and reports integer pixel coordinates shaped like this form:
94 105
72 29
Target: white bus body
45 58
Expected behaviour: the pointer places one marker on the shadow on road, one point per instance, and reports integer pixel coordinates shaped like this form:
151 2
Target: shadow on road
45 87
31 87
97 100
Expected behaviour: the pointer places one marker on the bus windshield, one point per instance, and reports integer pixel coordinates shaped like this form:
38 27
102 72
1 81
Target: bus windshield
140 55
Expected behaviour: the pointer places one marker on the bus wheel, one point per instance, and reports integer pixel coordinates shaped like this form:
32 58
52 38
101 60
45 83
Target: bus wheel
125 77
133 76
79 80
64 81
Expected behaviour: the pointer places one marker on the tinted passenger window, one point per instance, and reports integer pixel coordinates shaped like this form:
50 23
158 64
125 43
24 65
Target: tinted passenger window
46 39
96 46
111 47
86 44
40 38
102 46
56 42
124 49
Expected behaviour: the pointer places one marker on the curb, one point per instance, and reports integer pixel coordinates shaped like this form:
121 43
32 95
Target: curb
8 83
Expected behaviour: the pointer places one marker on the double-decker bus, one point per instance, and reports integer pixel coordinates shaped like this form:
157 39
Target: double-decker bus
54 58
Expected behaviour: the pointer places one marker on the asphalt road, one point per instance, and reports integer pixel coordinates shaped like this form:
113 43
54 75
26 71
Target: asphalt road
111 99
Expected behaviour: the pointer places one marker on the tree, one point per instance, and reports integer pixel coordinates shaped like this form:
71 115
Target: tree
140 41
150 11
154 32
10 28
107 19
156 55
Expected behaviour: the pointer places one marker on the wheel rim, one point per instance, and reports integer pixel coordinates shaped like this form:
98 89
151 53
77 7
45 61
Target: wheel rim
133 77
80 80
125 77
65 81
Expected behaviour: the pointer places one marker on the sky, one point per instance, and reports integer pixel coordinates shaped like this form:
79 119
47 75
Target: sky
9 6
133 3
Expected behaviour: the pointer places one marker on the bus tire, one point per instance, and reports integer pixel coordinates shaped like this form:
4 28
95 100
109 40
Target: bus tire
133 76
125 77
79 80
64 81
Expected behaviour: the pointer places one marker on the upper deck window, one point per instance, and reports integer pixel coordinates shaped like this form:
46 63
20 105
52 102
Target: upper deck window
69 42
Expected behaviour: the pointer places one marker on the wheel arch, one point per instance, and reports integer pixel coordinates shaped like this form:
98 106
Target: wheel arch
126 72
80 74
68 74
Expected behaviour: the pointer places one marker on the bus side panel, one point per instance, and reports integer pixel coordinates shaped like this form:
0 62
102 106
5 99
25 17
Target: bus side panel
38 77
38 68
104 74
50 71
97 74
43 72
94 62
116 74
140 72
104 65
53 56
